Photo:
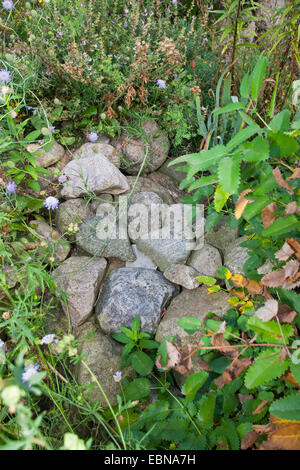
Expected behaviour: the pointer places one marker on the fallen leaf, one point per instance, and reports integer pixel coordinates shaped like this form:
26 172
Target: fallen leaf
254 287
239 280
249 439
281 181
260 407
292 208
267 215
296 174
288 377
268 311
284 253
243 398
287 437
242 203
294 245
291 268
274 278
286 314
219 341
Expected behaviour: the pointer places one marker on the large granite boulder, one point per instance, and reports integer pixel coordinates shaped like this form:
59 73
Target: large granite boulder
131 292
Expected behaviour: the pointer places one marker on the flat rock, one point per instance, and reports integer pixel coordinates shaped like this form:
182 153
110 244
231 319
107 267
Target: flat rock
92 149
94 173
79 278
193 303
98 237
102 355
142 261
73 211
182 275
206 260
236 256
61 248
221 236
49 158
131 292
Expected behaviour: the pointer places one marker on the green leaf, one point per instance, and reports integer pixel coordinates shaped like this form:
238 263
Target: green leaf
204 181
287 407
135 326
137 389
270 331
268 366
257 150
229 174
121 338
206 409
156 411
32 136
149 344
190 324
245 86
202 160
34 185
193 384
289 297
295 370
142 363
281 226
257 77
281 122
210 281
283 145
241 136
229 108
220 198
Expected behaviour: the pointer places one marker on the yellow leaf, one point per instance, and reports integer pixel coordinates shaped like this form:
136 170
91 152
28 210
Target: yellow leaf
287 437
239 280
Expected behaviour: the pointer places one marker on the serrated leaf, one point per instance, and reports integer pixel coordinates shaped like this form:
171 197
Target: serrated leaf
267 367
257 150
281 226
137 389
220 198
193 384
202 160
206 409
287 407
295 370
156 411
269 331
141 363
241 136
229 174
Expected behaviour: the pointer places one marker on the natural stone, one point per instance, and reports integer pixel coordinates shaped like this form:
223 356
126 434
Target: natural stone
221 236
172 171
61 248
92 149
146 184
206 260
145 210
142 261
168 184
79 279
50 157
131 292
103 236
236 256
73 211
102 355
183 275
94 173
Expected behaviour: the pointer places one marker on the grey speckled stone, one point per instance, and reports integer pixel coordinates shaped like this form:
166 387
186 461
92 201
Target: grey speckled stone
79 277
236 256
88 149
94 173
183 275
206 260
131 292
196 303
221 236
49 158
61 248
93 242
72 211
103 357
147 184
172 171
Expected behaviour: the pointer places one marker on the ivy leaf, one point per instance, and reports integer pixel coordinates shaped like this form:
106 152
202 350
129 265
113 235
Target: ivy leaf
229 174
267 366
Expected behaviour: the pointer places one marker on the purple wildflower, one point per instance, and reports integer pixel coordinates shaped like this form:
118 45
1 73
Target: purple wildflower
93 136
8 5
51 203
11 187
29 372
48 339
161 83
117 376
62 179
5 76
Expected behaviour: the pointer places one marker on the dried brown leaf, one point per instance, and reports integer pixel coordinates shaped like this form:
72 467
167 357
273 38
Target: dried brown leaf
219 341
284 253
260 407
242 203
286 314
267 215
295 245
291 268
287 437
268 311
296 174
281 181
274 278
249 439
292 208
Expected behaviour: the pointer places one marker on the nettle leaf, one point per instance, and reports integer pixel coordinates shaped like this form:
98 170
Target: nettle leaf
268 366
269 331
220 198
193 384
137 389
229 174
257 150
287 407
281 226
142 363
190 324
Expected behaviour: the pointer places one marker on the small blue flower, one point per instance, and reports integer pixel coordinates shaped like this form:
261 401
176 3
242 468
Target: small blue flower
93 137
5 76
48 339
161 83
117 376
62 179
8 5
11 187
29 372
51 203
